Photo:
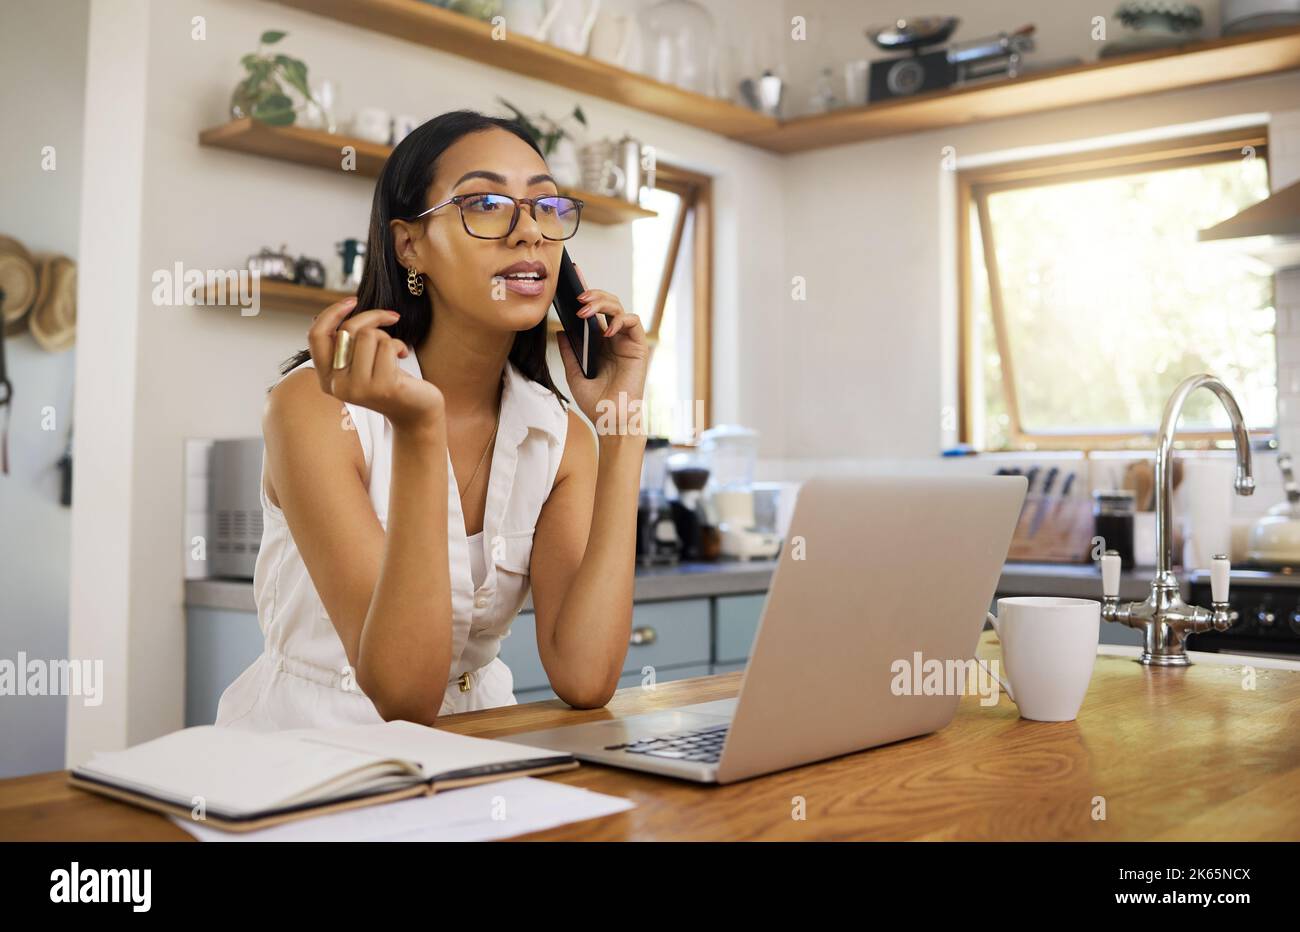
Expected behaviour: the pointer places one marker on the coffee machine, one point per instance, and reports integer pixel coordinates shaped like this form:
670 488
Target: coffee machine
690 474
657 543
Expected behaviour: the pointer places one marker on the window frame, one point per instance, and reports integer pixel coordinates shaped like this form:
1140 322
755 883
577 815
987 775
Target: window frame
974 186
696 193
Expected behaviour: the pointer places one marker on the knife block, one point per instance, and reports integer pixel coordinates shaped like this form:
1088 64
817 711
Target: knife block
1053 529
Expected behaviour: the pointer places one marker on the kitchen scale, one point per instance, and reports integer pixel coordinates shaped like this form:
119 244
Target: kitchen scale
919 70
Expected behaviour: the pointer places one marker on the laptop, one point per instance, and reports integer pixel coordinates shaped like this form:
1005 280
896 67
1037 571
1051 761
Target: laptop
873 571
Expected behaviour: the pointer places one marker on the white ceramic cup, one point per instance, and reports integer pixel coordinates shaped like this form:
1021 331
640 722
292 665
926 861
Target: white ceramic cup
1049 647
373 124
403 126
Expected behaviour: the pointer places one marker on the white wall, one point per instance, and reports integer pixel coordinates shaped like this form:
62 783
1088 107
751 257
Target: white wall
108 288
43 53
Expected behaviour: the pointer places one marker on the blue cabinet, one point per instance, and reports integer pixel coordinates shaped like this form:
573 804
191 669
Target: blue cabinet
519 651
219 645
661 675
736 626
668 634
671 640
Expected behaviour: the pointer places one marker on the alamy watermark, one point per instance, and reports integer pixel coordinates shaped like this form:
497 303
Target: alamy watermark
626 416
181 287
35 677
77 884
917 676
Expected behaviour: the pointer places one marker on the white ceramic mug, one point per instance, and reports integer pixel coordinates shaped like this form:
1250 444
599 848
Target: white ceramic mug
403 126
373 124
1049 647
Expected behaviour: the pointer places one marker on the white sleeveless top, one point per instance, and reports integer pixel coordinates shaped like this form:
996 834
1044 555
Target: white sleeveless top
302 678
477 565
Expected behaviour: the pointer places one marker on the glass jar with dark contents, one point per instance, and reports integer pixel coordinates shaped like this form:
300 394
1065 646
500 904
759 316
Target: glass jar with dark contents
689 476
1112 512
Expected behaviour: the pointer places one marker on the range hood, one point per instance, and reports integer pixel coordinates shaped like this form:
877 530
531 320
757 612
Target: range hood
1269 230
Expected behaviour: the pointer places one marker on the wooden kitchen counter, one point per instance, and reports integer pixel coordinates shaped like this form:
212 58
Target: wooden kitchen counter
1176 755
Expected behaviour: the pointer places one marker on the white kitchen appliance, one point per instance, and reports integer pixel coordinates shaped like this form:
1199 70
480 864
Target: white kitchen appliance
234 507
731 453
1275 538
740 534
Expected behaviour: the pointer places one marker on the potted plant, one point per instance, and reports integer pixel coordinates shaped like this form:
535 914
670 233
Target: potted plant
556 142
260 94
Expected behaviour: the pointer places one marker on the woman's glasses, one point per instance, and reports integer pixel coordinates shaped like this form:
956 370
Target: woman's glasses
494 216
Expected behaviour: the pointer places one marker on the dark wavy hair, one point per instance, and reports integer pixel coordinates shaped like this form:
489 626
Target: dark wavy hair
399 195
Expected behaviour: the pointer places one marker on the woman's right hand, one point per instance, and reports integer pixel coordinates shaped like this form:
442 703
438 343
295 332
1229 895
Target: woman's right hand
373 379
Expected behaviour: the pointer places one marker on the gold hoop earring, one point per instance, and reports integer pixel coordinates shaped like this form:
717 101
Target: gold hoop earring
414 283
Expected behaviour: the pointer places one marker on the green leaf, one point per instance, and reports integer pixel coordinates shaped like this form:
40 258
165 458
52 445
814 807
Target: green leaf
272 36
274 109
258 72
519 114
531 128
295 72
579 115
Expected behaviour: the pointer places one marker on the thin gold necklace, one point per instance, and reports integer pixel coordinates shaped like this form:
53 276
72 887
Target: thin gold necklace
482 459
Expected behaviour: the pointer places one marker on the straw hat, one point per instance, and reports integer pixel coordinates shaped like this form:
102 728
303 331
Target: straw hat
17 282
53 320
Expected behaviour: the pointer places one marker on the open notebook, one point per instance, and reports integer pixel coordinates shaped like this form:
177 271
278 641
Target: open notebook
240 780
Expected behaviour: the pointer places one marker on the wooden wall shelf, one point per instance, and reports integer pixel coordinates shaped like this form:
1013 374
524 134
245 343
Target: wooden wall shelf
325 150
288 297
276 295
470 38
1194 64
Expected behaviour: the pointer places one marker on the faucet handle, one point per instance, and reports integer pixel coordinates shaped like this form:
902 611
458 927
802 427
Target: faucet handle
1110 568
1219 570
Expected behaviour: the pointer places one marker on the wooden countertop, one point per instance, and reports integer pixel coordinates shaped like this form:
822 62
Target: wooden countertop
1176 754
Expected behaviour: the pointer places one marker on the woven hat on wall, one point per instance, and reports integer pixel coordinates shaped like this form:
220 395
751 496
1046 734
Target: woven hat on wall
53 319
18 284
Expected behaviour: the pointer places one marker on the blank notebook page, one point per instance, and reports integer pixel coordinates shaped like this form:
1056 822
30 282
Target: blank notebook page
437 752
234 771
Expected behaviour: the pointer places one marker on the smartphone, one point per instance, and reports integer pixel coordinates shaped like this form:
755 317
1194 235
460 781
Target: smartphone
585 334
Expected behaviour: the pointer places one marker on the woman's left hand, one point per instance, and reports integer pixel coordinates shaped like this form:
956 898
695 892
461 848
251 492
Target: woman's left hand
623 364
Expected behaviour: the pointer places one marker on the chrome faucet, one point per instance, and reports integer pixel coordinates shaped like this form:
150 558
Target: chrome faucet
1164 618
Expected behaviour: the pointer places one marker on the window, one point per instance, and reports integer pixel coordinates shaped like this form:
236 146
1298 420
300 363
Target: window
1086 297
672 287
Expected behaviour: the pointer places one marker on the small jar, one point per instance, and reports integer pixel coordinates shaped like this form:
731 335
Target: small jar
1112 512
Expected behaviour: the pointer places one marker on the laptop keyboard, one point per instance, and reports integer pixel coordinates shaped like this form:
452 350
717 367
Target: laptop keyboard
703 745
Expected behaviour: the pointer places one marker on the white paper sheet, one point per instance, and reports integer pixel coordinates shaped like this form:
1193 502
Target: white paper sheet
489 811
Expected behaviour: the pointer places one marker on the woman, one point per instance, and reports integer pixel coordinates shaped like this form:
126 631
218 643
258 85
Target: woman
421 469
